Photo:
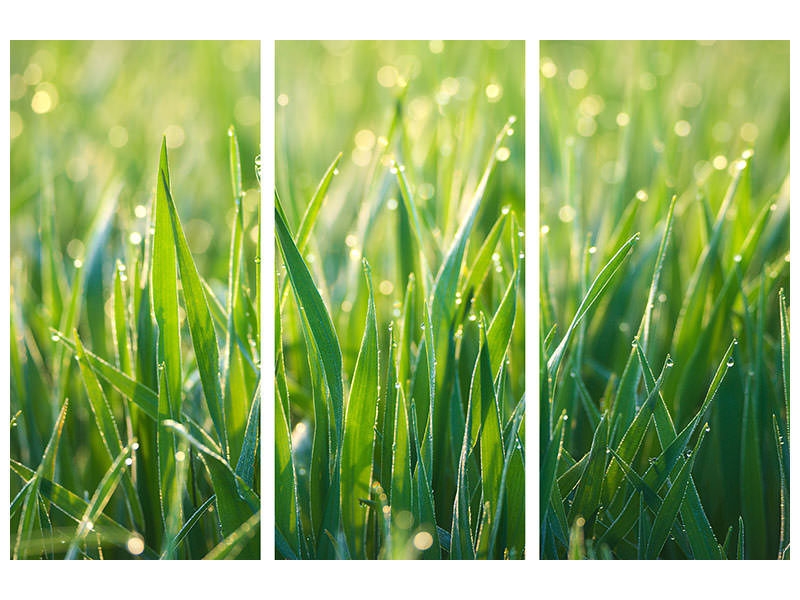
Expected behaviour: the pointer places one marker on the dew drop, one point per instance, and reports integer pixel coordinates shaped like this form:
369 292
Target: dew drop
505 210
608 450
707 427
54 337
135 445
397 385
129 461
336 171
669 362
635 342
565 417
730 362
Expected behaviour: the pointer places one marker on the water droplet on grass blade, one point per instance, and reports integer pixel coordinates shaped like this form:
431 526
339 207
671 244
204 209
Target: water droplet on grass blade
730 362
669 362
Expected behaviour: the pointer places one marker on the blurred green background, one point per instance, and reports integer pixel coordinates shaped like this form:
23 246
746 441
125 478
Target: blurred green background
624 125
88 116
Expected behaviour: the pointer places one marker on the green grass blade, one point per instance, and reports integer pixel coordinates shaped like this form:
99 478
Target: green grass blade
107 428
201 326
236 501
121 335
784 313
99 500
587 495
483 260
595 290
46 470
783 541
285 482
233 545
624 399
665 518
740 544
401 491
491 438
312 210
164 285
245 467
359 431
310 301
141 395
165 446
175 542
499 334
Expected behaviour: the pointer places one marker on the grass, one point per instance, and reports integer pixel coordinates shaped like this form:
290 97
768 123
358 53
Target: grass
135 388
664 336
399 288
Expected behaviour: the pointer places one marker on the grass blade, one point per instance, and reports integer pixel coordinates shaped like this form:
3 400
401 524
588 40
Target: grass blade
359 438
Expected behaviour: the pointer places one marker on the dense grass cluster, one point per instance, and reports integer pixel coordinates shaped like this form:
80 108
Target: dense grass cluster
134 365
664 239
399 425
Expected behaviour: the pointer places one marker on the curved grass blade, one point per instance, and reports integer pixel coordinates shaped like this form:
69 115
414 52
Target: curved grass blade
624 399
783 541
502 325
175 542
510 451
236 501
671 506
595 290
45 470
312 210
124 356
423 495
547 477
785 354
401 491
107 428
245 467
233 545
359 431
201 326
310 301
587 494
74 507
483 260
99 500
285 481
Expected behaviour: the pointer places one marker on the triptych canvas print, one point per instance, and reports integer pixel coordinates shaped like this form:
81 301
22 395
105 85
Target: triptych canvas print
407 323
